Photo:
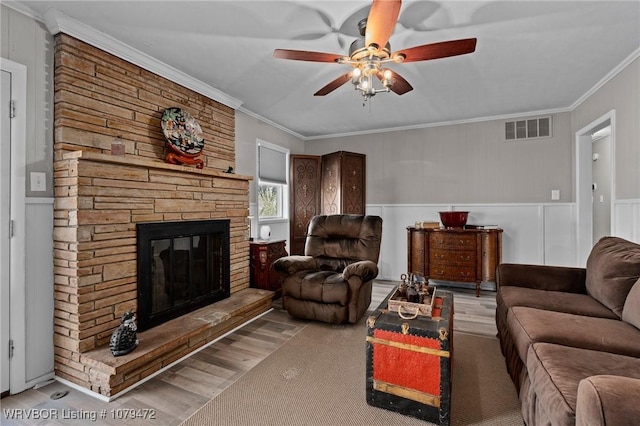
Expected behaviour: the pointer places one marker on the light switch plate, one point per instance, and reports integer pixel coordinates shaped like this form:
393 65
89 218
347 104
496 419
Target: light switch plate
555 194
38 181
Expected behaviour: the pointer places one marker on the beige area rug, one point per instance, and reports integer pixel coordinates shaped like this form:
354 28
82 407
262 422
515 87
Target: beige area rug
318 378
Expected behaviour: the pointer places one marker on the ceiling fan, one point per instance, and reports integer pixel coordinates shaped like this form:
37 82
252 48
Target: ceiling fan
369 54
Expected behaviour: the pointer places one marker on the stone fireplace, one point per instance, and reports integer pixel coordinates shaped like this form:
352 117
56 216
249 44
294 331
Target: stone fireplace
101 198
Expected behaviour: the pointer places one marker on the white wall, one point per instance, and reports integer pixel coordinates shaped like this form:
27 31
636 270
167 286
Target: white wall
622 95
626 217
27 42
248 130
462 163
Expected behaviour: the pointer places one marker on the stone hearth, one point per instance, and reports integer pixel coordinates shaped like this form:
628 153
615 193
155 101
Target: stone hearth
169 342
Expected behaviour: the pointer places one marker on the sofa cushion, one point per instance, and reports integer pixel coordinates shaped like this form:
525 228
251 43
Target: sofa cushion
604 400
631 310
555 372
613 267
559 301
529 325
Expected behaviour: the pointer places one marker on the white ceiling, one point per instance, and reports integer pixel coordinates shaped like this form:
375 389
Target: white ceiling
531 57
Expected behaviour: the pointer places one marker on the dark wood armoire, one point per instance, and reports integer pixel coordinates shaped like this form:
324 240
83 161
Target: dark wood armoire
328 184
304 199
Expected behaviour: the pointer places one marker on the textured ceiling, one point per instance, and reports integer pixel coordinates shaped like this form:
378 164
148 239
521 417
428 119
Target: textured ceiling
530 57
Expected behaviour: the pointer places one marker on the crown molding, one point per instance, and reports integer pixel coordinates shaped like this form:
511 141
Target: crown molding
57 22
271 123
625 63
443 123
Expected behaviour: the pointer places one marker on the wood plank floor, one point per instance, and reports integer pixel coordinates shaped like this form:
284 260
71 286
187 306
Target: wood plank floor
178 392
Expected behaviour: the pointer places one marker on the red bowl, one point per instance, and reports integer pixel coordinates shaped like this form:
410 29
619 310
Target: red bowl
454 219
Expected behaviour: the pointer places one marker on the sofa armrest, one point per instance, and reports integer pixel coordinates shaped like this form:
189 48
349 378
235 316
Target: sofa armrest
542 277
289 265
365 269
608 400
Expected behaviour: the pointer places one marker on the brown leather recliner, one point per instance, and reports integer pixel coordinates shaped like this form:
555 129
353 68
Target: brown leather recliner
332 282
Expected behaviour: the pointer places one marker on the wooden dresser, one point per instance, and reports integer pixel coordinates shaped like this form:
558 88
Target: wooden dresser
459 255
262 255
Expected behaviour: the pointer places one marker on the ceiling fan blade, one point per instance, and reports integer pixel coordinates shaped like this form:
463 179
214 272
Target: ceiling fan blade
400 85
304 55
381 22
442 49
333 85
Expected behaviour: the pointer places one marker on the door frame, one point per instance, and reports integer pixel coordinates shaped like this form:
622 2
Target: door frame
584 180
17 262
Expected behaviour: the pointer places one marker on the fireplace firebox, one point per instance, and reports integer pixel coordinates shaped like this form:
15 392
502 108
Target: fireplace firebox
182 266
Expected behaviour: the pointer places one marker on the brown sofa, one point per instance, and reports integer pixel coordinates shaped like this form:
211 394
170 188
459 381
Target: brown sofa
332 282
571 337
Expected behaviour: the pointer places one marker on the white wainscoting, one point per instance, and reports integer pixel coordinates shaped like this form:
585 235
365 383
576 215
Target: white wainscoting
626 215
535 233
39 290
543 233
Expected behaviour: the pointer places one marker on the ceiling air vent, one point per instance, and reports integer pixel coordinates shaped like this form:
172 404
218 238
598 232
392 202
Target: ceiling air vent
532 128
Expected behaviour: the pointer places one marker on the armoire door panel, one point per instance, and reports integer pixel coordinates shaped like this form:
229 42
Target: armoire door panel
305 198
329 184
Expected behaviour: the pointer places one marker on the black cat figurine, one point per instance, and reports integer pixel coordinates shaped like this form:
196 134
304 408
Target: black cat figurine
124 339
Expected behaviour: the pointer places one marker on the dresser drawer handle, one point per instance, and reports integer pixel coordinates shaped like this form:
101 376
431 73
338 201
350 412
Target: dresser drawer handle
465 274
465 257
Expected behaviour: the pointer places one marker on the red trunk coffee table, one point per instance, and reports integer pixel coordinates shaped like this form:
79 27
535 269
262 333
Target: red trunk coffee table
409 361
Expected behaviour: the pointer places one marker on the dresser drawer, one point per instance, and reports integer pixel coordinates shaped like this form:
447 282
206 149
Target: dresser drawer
452 241
450 273
459 257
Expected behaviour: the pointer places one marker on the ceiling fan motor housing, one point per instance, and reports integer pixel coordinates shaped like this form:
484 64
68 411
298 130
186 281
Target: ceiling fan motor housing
358 50
368 58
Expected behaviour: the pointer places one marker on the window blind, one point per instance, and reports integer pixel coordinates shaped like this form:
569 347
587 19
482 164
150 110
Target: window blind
272 165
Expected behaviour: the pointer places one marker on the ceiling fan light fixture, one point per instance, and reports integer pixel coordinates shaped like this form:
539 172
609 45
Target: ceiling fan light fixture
370 68
370 52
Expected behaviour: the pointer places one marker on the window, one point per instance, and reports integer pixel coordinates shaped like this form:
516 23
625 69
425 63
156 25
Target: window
270 201
272 180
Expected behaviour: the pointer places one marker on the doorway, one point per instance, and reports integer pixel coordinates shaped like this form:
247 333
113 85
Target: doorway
601 171
594 219
12 226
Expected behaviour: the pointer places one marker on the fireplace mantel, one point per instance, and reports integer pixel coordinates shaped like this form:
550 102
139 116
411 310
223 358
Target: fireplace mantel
137 161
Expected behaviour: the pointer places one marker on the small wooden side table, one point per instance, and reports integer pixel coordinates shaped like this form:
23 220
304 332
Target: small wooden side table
262 255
